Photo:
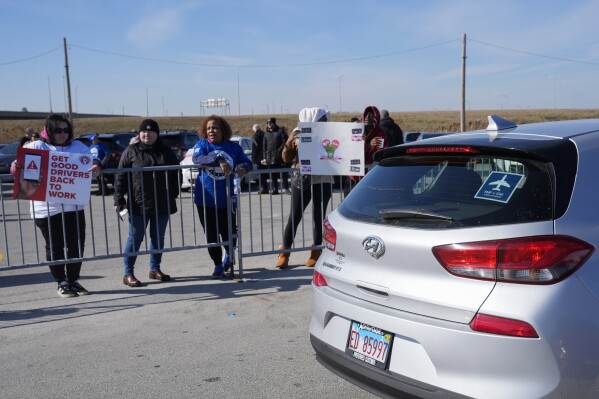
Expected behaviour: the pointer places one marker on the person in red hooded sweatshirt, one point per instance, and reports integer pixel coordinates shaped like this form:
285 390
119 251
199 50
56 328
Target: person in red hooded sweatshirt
374 137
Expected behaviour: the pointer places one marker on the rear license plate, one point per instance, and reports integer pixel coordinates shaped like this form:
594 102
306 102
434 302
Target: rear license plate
369 344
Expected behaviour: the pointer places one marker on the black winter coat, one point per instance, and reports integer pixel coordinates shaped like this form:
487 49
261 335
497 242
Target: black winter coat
394 132
257 150
273 141
153 194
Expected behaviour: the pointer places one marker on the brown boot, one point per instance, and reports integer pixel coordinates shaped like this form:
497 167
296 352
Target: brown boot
283 260
314 255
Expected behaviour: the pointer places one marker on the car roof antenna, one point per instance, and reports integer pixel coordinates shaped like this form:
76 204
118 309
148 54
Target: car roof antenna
498 123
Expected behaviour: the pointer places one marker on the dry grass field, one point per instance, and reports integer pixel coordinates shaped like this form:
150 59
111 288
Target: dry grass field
444 121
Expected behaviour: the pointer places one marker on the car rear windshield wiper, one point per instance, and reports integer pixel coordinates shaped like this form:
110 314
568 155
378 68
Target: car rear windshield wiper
402 213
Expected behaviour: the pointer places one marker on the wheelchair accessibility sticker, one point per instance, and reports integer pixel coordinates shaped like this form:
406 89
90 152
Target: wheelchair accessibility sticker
499 186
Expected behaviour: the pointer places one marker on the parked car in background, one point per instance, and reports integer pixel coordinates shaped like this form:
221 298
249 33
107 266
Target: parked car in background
465 266
8 153
414 136
180 141
190 174
116 143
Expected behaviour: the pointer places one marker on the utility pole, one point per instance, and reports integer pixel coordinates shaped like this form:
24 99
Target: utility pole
463 109
238 99
66 67
340 109
49 94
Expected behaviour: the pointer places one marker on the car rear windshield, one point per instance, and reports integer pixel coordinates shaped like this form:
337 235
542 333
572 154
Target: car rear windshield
187 140
451 192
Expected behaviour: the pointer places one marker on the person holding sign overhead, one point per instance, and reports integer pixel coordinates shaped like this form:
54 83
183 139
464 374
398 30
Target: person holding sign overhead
305 188
62 224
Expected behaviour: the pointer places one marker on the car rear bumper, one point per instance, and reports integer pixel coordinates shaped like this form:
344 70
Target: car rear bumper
383 383
435 357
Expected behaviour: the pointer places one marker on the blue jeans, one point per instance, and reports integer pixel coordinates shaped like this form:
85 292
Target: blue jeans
137 231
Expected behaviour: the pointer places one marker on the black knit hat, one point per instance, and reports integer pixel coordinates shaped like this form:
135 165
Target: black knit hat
149 125
272 120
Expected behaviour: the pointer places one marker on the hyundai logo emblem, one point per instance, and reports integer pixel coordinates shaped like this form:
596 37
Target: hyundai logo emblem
374 246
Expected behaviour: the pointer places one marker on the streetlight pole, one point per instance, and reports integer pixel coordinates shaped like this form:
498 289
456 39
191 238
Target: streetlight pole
554 89
238 98
340 108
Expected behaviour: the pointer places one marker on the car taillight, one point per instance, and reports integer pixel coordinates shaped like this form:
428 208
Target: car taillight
319 280
527 260
502 326
329 235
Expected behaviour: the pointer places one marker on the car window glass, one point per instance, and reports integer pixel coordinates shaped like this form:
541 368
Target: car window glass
123 141
9 148
451 192
192 139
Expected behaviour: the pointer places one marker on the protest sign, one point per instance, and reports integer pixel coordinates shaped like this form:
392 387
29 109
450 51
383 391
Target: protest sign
332 148
53 176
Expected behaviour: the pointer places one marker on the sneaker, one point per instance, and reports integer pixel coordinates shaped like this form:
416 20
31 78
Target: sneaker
64 290
219 271
227 262
78 288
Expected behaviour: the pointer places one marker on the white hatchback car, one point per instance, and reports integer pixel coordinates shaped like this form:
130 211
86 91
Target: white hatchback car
465 266
190 174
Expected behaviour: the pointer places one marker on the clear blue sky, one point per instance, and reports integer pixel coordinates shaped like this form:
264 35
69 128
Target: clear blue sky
342 54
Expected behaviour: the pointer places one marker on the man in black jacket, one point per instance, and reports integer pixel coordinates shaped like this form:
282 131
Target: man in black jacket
274 138
394 132
258 156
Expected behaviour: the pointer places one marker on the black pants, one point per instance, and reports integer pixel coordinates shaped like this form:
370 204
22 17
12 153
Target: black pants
285 176
215 224
322 195
274 177
263 177
54 231
102 183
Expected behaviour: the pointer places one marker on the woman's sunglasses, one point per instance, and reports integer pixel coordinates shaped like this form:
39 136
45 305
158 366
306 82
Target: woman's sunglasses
58 130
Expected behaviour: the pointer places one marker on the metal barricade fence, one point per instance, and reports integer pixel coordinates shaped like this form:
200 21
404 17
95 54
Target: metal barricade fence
22 243
261 221
262 218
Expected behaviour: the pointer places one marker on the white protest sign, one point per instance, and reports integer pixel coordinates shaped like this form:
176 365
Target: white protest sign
331 148
53 176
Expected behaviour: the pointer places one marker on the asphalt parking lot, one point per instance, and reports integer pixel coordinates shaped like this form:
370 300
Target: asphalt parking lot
192 337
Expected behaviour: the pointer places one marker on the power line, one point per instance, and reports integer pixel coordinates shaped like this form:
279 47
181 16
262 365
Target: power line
30 58
534 54
266 65
304 64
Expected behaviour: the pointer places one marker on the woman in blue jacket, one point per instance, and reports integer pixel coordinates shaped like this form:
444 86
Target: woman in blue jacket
222 157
